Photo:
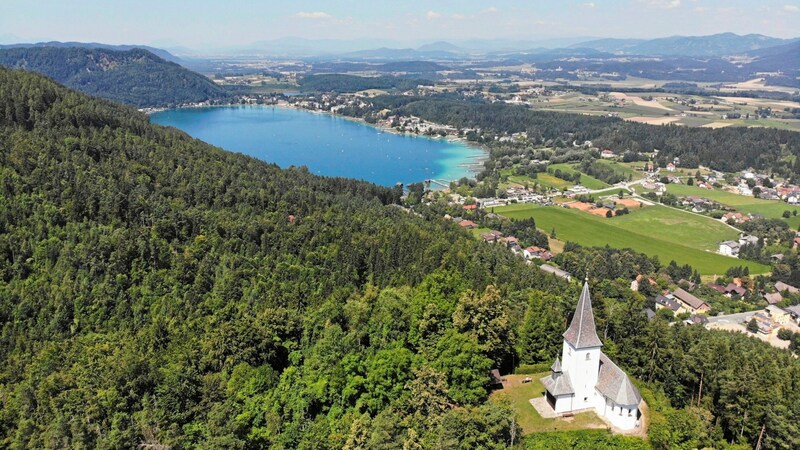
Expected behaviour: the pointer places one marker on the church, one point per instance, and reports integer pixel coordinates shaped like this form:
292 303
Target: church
584 378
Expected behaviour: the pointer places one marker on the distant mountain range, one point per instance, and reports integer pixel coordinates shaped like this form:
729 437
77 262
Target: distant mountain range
722 44
714 45
136 77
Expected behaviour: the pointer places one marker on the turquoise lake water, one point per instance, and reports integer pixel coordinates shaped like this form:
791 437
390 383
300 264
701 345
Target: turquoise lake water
326 144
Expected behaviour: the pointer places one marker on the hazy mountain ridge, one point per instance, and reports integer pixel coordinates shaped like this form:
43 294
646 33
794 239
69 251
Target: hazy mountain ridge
135 77
161 53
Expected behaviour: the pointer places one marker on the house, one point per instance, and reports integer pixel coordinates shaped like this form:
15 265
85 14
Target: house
736 217
794 312
763 321
732 288
717 287
534 252
670 303
747 239
586 379
782 287
670 167
607 154
729 248
690 303
778 315
510 241
546 268
773 299
491 236
471 207
468 224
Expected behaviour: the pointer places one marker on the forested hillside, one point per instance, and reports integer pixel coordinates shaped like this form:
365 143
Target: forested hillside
156 292
135 77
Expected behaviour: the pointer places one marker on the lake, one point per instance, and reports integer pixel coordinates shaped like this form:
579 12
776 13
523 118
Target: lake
326 144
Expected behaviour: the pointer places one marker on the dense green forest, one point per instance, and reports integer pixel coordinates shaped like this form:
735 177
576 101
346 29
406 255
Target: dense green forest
352 83
157 292
728 149
135 77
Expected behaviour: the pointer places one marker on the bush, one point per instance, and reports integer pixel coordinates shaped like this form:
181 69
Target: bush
530 369
784 334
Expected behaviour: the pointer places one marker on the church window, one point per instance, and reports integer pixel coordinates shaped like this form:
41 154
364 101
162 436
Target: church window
588 356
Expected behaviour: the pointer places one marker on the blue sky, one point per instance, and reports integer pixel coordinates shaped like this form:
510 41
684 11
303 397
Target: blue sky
219 23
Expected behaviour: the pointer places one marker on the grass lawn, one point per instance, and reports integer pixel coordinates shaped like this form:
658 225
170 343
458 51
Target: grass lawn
586 180
769 208
654 230
519 395
478 231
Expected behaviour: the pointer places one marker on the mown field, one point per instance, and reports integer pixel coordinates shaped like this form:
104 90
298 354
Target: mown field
769 208
654 230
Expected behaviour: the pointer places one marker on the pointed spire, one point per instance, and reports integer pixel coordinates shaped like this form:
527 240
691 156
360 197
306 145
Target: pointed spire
582 332
556 367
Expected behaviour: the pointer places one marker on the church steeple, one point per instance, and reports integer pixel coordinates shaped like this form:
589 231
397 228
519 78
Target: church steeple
582 332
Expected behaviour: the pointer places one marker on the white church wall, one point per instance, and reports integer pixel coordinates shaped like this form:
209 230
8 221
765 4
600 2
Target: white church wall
583 366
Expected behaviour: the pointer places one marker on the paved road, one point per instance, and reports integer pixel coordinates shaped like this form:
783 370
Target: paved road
737 318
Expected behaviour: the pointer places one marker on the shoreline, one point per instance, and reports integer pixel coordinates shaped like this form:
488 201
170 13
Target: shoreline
472 164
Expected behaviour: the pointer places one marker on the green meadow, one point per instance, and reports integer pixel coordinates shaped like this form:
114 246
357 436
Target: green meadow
654 230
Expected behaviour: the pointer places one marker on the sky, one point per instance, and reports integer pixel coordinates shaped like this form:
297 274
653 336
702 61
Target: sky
209 24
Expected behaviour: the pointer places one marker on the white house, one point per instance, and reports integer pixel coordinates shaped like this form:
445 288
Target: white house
584 378
729 248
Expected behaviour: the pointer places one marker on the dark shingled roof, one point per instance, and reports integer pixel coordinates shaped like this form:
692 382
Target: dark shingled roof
613 383
582 332
558 384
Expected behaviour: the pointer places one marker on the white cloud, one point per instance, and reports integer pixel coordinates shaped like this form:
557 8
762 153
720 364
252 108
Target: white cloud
458 16
314 15
589 5
432 15
664 4
791 8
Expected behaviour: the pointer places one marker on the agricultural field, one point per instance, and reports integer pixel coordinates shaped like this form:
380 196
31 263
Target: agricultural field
693 111
769 208
655 230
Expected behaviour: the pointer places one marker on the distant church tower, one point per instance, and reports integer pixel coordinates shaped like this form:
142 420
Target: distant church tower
584 378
